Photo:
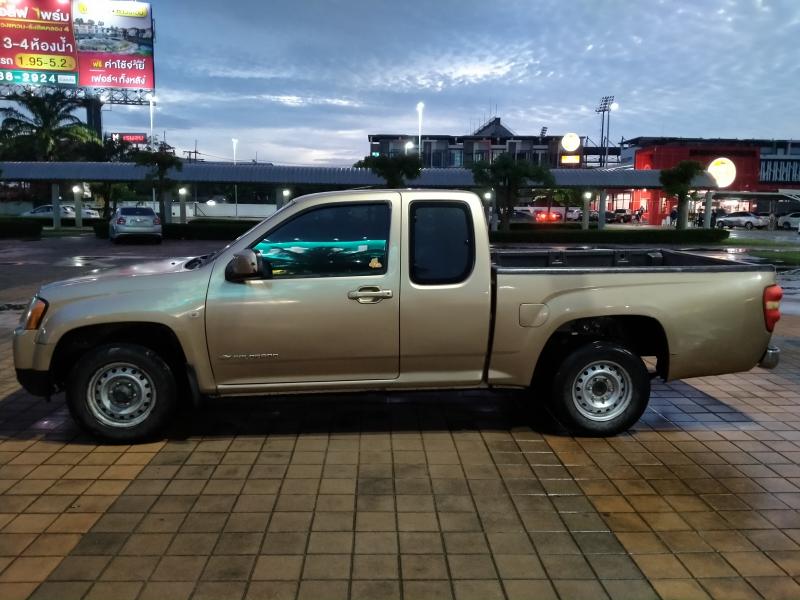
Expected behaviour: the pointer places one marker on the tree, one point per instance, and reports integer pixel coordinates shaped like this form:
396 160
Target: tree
43 128
677 181
507 176
393 169
160 163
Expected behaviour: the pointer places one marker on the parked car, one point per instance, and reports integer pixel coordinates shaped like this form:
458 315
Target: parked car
790 221
129 221
46 212
747 220
623 215
541 215
574 214
521 216
595 216
86 212
277 310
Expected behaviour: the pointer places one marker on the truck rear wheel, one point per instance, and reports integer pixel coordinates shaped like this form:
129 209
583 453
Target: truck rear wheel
600 389
121 392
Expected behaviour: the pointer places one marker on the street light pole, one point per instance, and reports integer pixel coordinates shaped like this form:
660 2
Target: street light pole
420 108
152 99
235 184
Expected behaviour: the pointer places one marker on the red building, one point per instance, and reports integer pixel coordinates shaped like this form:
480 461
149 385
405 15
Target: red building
764 168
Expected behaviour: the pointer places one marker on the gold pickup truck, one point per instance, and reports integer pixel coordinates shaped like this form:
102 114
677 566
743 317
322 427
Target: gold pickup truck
387 290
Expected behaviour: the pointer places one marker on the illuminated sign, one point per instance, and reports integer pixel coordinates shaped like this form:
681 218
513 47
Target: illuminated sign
570 159
86 43
131 138
723 171
571 142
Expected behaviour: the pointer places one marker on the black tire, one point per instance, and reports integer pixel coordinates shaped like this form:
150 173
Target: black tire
720 225
565 406
787 226
748 225
146 362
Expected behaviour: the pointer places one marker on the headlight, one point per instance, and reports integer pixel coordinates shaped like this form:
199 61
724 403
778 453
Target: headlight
35 313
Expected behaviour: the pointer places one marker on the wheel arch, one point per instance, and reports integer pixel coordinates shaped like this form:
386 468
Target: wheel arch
643 335
157 337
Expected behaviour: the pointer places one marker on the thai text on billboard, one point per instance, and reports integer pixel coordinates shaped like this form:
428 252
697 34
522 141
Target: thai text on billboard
86 43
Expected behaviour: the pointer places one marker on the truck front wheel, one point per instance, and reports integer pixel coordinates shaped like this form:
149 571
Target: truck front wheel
600 389
121 392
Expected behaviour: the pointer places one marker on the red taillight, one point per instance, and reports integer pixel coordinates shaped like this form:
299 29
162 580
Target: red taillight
772 306
156 221
121 221
554 216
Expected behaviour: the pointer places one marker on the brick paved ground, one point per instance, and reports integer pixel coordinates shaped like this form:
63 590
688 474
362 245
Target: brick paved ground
415 496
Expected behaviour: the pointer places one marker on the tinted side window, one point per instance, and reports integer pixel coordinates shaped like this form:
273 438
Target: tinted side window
330 241
137 211
442 242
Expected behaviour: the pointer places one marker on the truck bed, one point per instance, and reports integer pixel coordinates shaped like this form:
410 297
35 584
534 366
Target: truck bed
578 260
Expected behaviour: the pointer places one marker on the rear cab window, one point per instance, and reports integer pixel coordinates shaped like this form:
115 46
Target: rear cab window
137 211
442 242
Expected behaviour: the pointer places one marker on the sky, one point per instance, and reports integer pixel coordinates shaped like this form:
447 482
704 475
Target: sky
304 82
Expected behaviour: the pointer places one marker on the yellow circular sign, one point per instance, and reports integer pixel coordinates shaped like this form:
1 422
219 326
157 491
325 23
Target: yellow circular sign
723 171
571 142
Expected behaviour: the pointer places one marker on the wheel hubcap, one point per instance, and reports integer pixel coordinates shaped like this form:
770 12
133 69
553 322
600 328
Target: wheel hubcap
121 395
602 391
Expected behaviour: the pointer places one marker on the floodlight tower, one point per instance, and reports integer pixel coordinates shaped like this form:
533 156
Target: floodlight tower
603 108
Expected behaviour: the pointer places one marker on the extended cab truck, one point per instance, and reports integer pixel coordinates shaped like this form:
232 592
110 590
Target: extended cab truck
391 290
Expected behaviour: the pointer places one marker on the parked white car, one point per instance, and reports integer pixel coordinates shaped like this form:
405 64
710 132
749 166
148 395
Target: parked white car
46 212
574 214
747 220
86 213
790 221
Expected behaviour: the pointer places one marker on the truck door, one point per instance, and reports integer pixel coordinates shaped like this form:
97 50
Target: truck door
331 310
446 308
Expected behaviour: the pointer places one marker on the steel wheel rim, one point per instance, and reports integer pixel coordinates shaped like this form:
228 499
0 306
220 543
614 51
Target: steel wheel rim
602 390
121 394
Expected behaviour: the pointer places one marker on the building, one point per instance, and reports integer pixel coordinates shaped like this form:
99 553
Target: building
765 176
486 143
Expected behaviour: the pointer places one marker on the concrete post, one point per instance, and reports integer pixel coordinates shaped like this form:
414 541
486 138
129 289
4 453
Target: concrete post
601 210
78 208
585 215
183 207
707 213
56 202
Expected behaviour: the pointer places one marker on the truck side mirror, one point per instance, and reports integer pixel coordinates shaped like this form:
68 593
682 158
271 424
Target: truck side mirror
247 264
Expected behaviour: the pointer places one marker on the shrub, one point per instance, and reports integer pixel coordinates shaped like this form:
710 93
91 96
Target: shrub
651 237
20 228
542 226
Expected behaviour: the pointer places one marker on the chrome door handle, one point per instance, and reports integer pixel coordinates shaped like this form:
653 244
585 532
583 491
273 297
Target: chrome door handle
369 294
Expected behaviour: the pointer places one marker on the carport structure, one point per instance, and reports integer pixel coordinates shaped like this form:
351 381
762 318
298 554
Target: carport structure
280 176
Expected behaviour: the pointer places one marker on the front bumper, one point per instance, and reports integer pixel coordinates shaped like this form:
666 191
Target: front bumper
771 358
38 383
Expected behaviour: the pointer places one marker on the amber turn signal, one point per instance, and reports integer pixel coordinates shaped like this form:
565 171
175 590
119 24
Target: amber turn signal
33 319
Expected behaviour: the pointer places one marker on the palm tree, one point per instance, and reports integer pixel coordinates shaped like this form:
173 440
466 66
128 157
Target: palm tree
44 128
161 163
507 176
677 181
393 169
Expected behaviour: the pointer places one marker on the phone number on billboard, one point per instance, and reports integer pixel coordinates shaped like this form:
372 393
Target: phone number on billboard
41 78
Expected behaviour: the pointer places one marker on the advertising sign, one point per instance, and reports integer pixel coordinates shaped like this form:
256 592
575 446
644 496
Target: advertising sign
131 138
86 43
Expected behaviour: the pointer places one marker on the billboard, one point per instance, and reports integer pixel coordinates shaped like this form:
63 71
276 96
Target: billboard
131 138
85 43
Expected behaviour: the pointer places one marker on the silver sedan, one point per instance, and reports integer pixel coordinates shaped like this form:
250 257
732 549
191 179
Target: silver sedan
130 221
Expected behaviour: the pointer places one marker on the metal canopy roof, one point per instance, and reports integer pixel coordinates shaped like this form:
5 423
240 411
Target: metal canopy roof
197 172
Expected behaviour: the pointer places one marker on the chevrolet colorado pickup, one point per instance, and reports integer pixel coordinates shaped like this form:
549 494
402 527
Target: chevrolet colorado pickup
387 290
